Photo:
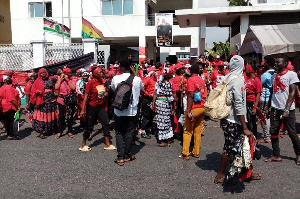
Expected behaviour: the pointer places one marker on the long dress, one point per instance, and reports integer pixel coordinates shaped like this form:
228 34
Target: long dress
163 107
45 115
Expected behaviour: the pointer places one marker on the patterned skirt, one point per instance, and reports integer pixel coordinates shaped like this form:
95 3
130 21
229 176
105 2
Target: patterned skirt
164 124
45 118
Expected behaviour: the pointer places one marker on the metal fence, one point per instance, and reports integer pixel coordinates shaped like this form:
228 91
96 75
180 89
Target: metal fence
16 57
55 53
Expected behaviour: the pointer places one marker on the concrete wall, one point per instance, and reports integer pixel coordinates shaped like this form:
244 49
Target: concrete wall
5 22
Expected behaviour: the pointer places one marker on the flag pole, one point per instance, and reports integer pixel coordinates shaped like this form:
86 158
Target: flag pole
63 29
44 34
69 12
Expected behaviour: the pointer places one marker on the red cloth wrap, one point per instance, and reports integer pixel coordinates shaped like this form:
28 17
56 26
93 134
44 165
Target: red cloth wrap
38 89
277 82
96 71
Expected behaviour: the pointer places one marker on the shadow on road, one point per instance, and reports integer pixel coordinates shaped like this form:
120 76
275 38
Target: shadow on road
237 188
211 163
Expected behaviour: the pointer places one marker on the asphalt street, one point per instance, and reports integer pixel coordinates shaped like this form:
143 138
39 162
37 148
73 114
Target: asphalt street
50 168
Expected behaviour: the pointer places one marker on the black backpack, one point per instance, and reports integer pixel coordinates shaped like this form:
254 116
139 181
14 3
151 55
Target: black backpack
123 94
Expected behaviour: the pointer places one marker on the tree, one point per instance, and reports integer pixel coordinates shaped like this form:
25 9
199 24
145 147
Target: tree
222 49
238 2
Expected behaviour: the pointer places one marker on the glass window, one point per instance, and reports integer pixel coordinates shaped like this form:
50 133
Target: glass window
117 7
106 7
36 9
128 7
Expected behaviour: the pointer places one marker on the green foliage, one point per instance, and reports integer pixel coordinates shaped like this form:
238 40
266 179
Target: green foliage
222 49
237 3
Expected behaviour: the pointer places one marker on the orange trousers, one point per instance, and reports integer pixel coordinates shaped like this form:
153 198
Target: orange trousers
195 127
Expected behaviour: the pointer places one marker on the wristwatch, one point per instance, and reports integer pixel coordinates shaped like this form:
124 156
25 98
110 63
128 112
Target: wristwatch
286 111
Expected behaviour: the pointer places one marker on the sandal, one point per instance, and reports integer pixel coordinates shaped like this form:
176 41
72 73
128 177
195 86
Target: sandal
162 144
58 136
119 162
298 160
194 155
255 176
219 179
85 148
184 157
131 158
272 159
71 135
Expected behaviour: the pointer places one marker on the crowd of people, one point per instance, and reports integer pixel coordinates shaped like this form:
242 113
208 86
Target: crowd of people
173 93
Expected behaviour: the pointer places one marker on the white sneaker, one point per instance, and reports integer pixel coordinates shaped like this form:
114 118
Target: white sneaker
111 147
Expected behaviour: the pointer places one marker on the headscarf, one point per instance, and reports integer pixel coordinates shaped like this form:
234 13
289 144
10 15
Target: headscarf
250 69
67 71
96 70
166 71
37 87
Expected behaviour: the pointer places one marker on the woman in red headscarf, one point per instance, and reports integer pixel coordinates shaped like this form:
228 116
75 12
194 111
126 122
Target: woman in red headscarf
45 112
253 91
66 100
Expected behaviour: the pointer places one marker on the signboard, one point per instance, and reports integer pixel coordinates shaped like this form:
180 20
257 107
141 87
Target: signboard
164 32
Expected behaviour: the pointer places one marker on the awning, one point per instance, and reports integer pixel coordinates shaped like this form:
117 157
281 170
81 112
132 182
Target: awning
272 39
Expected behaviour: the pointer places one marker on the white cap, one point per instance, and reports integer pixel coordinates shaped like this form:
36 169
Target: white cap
218 56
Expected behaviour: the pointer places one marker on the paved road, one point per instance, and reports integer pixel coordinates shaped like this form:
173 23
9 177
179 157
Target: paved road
35 168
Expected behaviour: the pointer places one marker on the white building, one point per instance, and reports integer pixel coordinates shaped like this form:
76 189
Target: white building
128 25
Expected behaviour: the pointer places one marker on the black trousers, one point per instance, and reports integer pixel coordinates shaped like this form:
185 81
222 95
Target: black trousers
92 114
62 118
290 126
147 114
251 124
9 118
125 127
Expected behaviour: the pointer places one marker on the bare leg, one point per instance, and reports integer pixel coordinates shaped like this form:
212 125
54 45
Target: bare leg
107 141
221 173
83 143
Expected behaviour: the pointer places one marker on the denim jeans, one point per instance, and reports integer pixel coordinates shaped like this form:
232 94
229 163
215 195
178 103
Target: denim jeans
290 126
125 127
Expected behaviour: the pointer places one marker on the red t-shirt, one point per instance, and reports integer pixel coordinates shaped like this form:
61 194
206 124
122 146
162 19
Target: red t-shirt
253 86
216 78
177 82
8 94
149 86
196 84
93 88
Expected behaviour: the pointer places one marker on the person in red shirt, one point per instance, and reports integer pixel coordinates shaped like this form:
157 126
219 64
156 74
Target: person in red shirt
194 115
253 91
27 90
204 77
94 105
217 76
65 87
10 103
147 112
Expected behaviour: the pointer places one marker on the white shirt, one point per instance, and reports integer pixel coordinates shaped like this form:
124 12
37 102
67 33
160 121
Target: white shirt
280 98
136 90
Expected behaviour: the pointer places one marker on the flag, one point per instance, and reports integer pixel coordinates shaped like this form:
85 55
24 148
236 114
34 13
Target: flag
90 31
54 26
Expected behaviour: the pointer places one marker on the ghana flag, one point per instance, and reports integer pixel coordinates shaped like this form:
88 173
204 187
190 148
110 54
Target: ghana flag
90 31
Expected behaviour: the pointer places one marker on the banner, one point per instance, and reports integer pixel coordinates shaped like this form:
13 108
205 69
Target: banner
164 32
54 26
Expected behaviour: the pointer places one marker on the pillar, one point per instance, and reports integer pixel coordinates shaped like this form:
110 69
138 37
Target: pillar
38 50
90 45
142 48
244 27
202 34
151 50
106 50
195 43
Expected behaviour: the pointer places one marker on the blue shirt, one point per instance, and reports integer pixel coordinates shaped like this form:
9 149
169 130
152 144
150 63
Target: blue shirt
266 80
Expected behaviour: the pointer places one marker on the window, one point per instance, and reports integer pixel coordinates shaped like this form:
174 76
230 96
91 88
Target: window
117 7
36 9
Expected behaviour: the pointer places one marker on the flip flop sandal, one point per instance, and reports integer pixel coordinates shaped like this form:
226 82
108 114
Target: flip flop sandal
58 136
85 148
271 159
184 157
298 162
194 155
255 176
133 157
219 180
71 135
120 162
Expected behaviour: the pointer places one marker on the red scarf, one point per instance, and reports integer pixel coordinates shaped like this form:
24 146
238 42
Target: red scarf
277 82
37 87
